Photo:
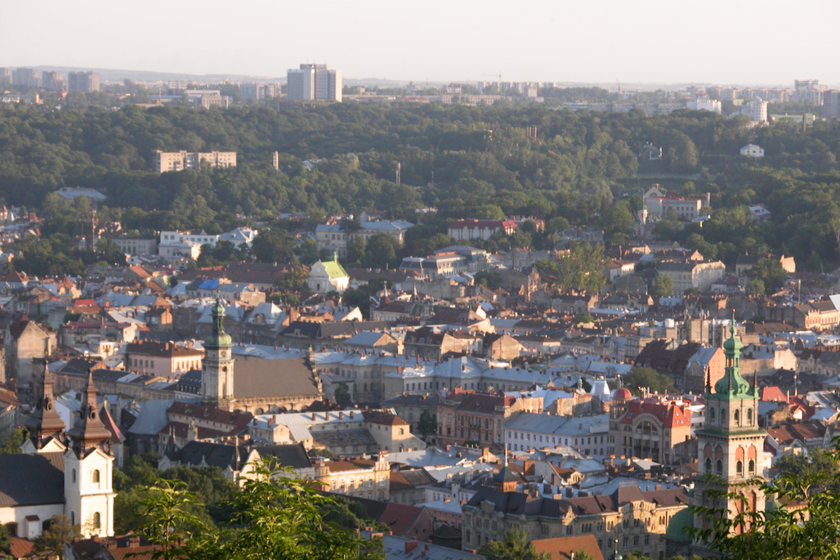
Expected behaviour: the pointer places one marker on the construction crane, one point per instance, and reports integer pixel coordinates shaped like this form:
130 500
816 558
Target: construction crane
60 93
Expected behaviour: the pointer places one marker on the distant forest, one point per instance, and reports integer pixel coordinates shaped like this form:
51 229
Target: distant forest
470 162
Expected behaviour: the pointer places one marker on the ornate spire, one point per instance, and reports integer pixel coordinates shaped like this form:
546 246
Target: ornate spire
218 338
732 385
89 430
45 421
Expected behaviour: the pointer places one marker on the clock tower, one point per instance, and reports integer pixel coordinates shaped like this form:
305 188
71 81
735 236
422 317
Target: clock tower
217 372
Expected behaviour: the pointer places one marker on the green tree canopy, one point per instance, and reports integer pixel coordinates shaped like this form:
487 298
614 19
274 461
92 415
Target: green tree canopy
647 378
513 546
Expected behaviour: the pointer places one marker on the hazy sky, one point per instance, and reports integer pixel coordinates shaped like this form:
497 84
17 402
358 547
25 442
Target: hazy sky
662 41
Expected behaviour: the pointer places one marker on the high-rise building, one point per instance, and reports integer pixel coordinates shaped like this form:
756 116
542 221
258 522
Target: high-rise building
831 104
313 82
85 82
50 79
755 110
257 92
809 90
26 78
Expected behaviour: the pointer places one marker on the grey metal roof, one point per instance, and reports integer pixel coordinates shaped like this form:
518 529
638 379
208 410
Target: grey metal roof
28 480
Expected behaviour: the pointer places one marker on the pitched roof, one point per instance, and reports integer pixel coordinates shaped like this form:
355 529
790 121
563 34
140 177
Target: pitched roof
254 377
31 479
292 455
565 548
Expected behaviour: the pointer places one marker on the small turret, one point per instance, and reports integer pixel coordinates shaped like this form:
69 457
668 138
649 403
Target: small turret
89 431
44 422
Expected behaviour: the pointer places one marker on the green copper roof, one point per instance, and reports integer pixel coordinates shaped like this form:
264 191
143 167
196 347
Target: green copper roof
218 338
732 385
334 269
680 521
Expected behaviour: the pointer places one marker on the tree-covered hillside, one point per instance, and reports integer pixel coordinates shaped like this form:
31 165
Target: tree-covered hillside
465 161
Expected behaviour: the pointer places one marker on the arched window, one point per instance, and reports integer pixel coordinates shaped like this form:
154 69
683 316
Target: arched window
719 467
739 467
96 476
97 520
749 417
737 417
711 415
708 465
751 466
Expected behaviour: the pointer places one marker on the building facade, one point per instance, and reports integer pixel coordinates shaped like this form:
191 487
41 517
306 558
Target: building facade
178 161
314 82
83 82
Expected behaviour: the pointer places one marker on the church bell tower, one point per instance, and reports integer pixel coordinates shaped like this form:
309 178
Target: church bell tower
217 373
731 443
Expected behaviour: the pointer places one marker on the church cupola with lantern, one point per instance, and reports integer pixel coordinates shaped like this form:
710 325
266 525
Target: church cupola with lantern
731 442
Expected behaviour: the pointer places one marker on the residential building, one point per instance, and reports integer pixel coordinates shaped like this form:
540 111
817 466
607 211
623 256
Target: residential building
831 105
362 478
335 236
26 78
705 105
162 358
136 246
628 520
51 80
809 90
588 435
84 82
756 110
25 344
752 150
178 161
816 315
692 275
257 92
466 230
473 418
744 263
314 82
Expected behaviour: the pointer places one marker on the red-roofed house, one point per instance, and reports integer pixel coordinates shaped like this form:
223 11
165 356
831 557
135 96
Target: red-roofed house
649 428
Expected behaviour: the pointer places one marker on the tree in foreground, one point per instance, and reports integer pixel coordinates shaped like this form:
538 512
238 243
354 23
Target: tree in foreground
272 517
801 521
51 542
514 546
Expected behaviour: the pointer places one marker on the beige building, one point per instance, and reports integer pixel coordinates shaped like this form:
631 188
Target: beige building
178 161
163 359
362 478
628 520
699 275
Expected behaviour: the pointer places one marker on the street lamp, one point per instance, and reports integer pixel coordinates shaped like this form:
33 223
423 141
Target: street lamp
616 555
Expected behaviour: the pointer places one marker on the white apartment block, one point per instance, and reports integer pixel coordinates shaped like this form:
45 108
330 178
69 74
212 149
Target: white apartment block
755 110
178 161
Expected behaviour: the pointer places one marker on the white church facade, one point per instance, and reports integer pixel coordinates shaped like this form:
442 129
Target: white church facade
60 474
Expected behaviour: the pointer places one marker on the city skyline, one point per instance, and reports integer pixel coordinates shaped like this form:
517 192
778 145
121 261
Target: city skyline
609 43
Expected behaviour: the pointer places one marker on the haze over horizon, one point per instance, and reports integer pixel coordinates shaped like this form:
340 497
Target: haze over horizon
652 41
